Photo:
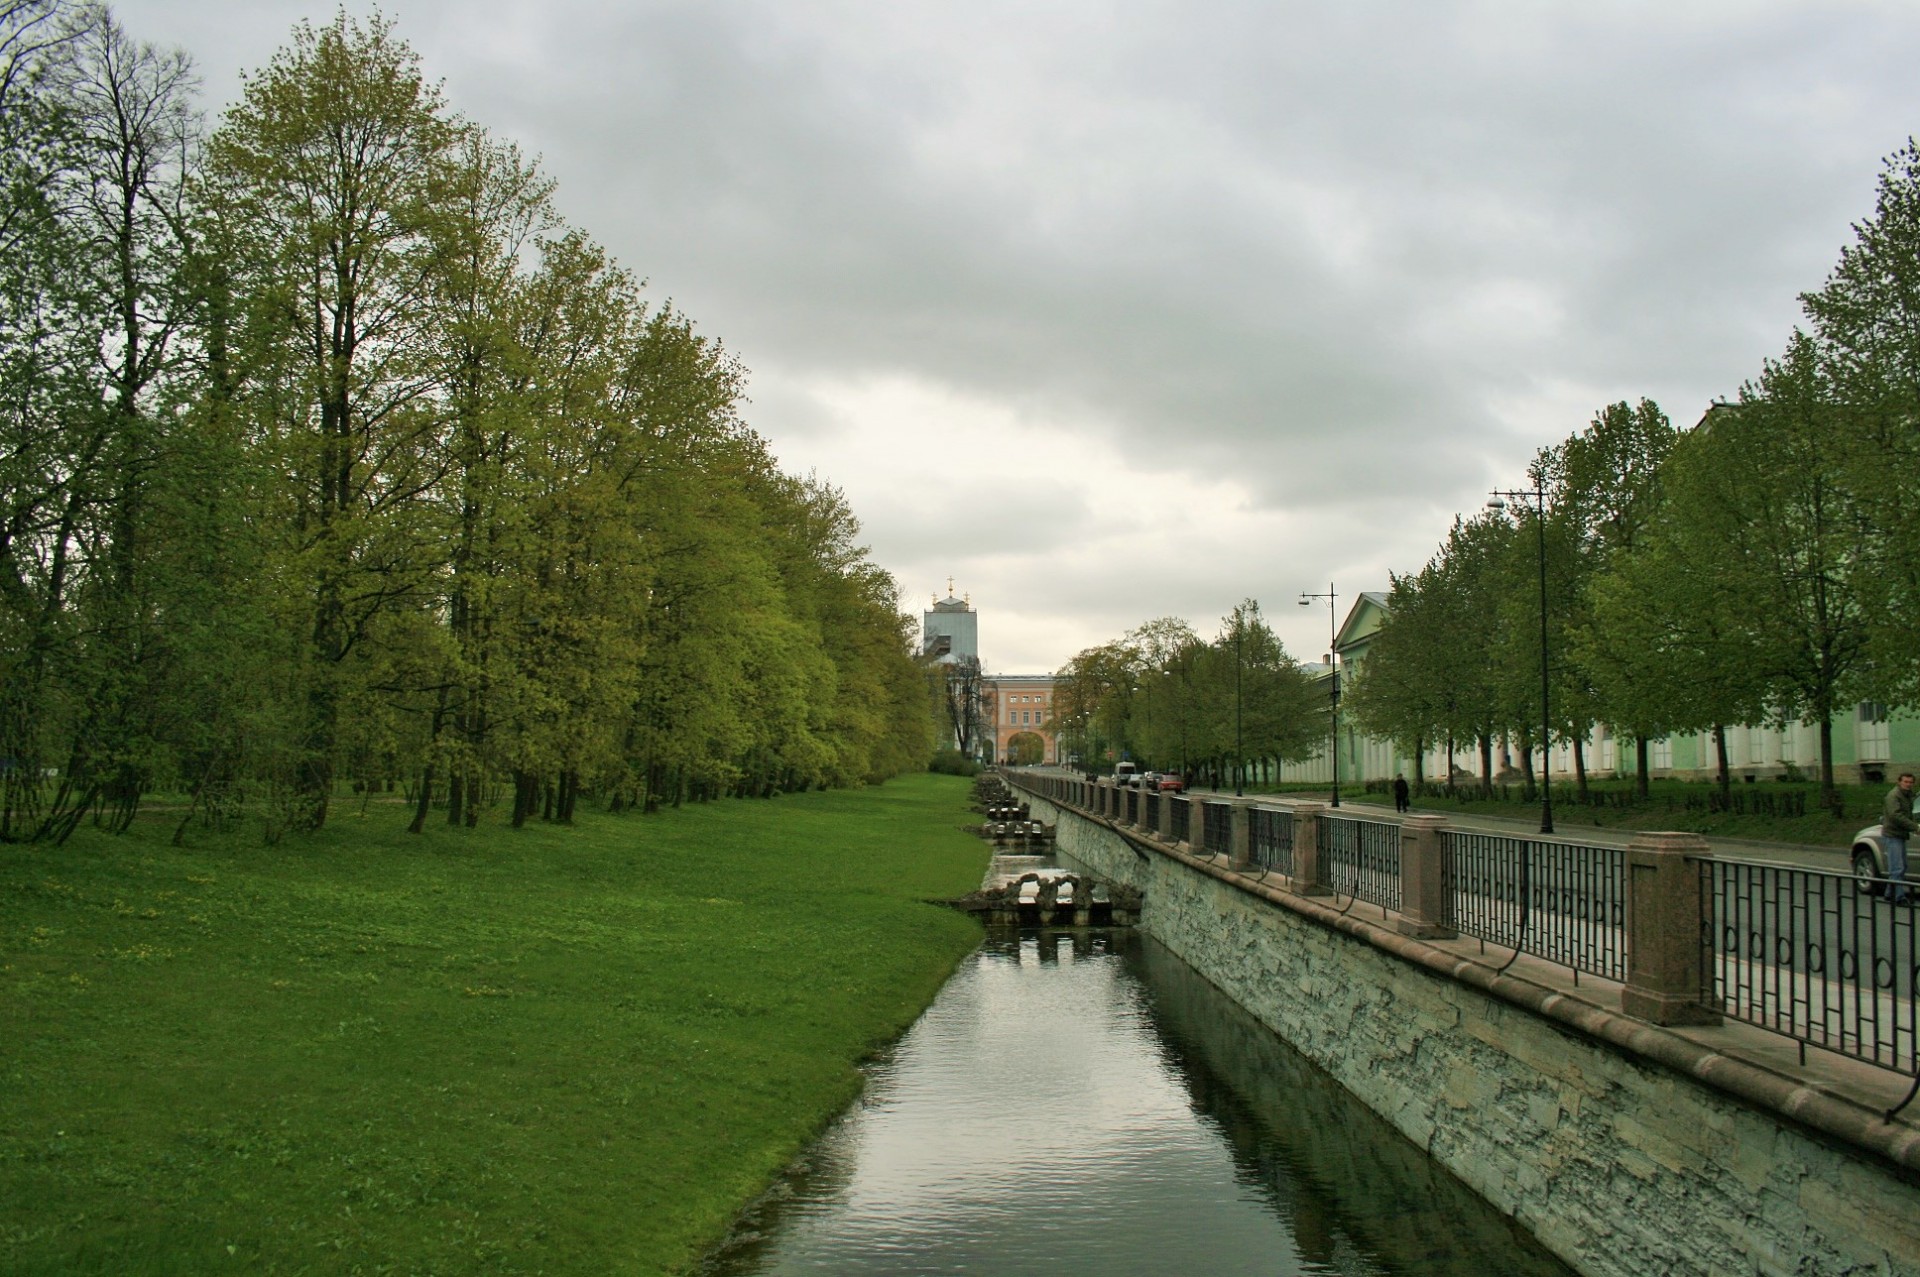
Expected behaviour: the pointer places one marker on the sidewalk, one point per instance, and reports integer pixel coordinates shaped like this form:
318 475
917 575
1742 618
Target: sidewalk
1834 859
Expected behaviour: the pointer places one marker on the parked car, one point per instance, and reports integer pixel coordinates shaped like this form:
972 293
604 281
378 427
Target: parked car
1172 783
1124 773
1869 858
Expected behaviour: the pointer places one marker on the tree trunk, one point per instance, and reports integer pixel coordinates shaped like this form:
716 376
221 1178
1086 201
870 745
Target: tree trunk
1726 772
526 791
419 824
1642 773
1829 796
1580 767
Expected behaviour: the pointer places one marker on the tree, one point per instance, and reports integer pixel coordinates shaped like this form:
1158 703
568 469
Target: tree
1767 505
328 177
1865 324
1604 491
1398 693
963 703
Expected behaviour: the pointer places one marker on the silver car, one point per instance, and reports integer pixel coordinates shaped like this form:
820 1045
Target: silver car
1870 860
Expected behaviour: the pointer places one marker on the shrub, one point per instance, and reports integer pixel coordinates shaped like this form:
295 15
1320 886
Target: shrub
951 762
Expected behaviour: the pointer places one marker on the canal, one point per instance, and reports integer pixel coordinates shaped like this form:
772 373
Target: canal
1081 1101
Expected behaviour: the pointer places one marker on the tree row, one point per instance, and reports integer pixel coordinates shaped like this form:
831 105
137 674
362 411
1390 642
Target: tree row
1757 568
331 457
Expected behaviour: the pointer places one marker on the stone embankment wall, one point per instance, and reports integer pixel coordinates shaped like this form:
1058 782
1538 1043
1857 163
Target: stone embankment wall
1616 1164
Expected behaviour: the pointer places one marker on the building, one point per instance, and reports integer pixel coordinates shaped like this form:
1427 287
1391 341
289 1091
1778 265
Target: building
1019 708
1014 712
950 629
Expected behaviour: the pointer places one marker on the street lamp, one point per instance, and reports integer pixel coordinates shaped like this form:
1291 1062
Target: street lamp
1333 680
1239 629
1538 497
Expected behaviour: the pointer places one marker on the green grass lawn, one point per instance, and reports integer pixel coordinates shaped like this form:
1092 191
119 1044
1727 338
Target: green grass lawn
544 1051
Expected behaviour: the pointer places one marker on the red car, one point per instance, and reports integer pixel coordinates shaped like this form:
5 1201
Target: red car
1172 783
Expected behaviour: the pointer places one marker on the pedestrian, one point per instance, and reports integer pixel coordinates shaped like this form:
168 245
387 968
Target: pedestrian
1896 826
1402 801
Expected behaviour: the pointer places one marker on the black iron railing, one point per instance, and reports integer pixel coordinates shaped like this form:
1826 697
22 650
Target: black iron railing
1182 819
1361 858
1810 955
1562 901
1217 830
1270 840
1153 811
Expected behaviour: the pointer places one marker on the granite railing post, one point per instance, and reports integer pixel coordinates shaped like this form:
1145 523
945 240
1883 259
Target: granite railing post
1664 930
1240 835
1306 849
1424 911
1165 832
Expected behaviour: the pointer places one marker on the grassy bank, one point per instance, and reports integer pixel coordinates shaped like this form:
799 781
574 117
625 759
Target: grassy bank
551 1051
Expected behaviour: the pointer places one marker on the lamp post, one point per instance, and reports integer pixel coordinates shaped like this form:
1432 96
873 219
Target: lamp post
1538 497
1239 630
1333 680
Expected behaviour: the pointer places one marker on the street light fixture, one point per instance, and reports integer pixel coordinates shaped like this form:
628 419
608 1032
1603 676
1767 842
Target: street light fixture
1239 767
1333 679
1538 497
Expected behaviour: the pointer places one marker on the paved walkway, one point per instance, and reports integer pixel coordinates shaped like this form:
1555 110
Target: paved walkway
1800 855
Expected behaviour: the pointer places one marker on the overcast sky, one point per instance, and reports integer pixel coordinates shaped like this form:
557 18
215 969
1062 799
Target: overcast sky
1112 311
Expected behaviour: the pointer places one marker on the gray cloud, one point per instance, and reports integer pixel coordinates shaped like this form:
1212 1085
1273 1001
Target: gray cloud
1336 270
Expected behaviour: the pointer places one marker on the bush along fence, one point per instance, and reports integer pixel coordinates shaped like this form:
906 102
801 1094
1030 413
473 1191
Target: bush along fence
1824 959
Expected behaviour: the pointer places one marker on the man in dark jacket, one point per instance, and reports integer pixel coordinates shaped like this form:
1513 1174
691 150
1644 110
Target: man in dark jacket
1896 826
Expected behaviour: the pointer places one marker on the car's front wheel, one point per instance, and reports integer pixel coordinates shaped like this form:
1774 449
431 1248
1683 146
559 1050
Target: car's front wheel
1865 871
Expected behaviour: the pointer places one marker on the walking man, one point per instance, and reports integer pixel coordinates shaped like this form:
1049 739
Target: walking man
1401 801
1896 826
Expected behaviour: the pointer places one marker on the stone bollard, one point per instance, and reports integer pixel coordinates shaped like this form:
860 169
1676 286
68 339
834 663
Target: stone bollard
1306 849
1240 835
1663 931
1424 912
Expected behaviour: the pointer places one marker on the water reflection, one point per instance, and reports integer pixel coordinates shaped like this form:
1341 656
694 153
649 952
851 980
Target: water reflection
1084 1099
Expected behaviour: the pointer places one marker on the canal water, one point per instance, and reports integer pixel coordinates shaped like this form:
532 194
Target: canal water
1081 1101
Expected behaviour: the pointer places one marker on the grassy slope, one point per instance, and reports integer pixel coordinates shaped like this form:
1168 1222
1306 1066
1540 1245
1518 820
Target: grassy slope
547 1051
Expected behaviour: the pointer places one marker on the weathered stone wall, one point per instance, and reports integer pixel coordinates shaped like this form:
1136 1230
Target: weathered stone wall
1618 1165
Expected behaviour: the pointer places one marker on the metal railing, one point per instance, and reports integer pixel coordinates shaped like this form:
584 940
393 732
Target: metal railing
1270 840
1807 954
1812 956
1562 901
1217 830
1132 807
1361 858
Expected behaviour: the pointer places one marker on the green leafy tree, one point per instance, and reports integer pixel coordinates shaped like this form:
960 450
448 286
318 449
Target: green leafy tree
1865 323
1604 486
1768 506
328 176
